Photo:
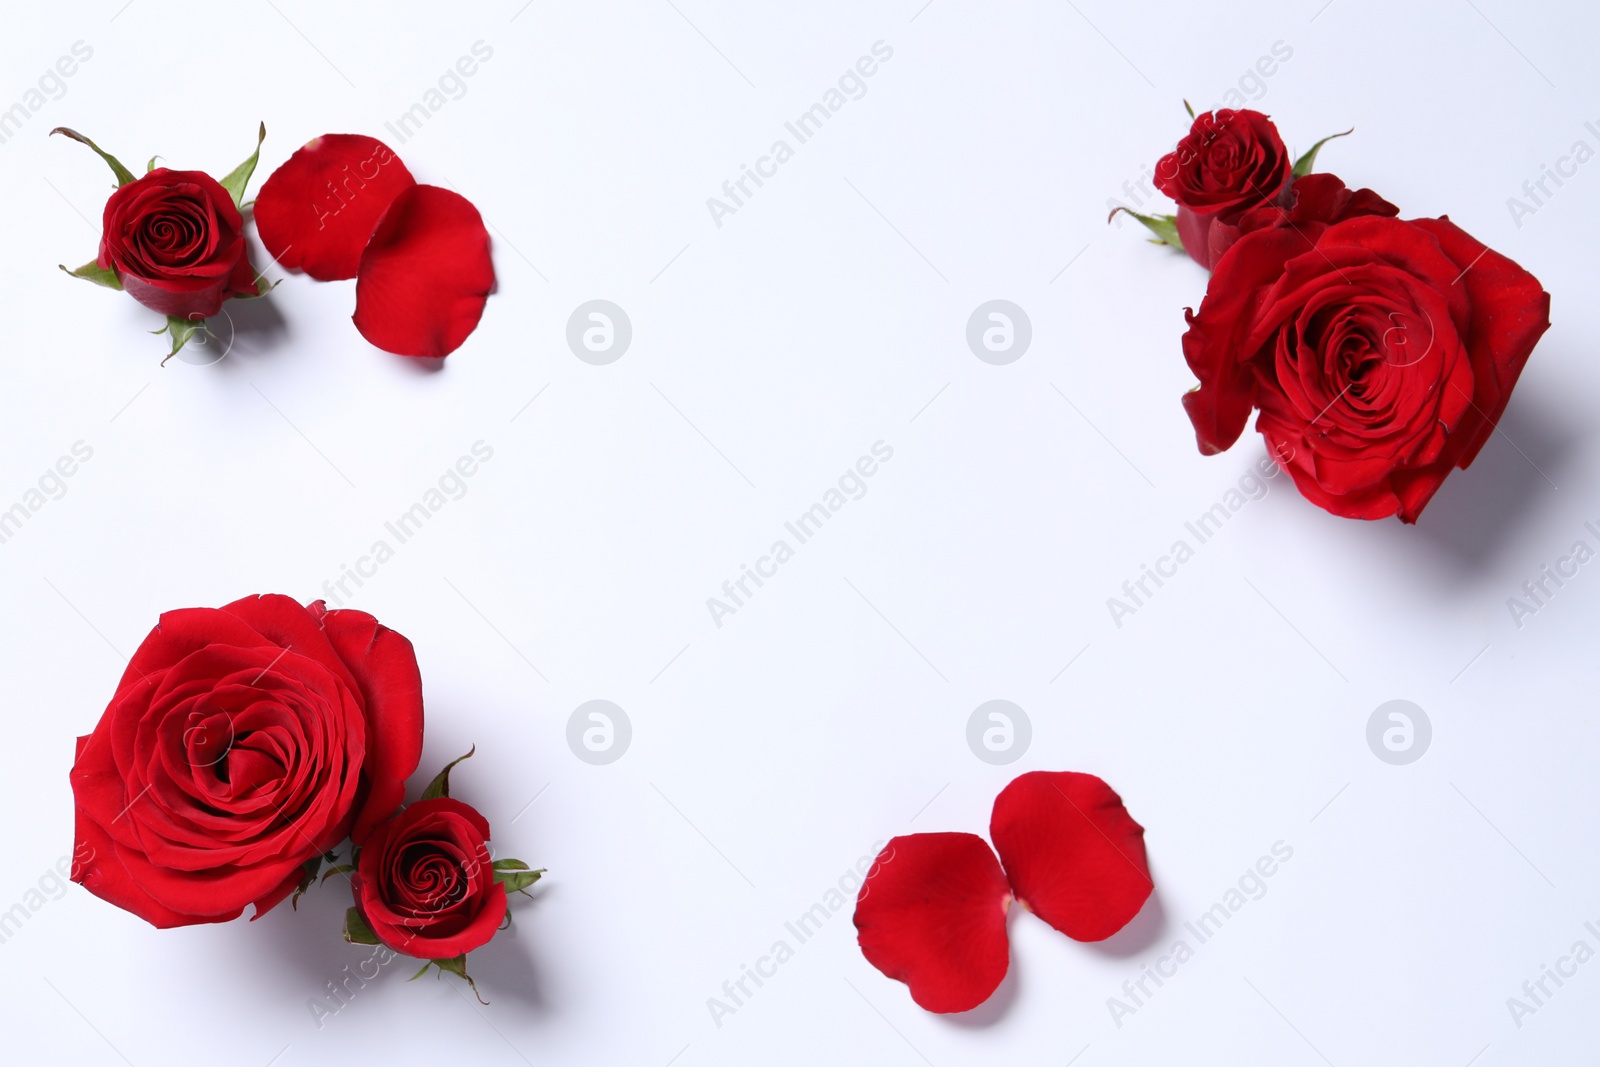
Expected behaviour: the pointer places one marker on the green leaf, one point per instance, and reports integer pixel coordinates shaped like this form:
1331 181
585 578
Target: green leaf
1165 227
458 966
239 177
518 881
124 175
356 930
91 272
1303 165
440 786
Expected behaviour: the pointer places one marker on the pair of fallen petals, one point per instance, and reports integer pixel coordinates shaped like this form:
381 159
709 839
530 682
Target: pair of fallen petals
932 911
344 206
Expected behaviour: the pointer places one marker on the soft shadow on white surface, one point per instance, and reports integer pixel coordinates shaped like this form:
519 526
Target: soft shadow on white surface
1478 512
305 949
507 969
259 328
1146 929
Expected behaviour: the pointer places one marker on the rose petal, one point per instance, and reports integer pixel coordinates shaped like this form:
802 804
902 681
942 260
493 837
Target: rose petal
932 914
1510 312
1214 344
425 275
385 668
317 211
1074 855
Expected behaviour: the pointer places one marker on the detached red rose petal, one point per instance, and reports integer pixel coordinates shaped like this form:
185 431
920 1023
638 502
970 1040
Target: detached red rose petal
317 211
1073 854
932 914
425 275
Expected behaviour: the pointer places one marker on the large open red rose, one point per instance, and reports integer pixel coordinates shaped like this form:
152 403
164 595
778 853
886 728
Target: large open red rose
242 742
1381 353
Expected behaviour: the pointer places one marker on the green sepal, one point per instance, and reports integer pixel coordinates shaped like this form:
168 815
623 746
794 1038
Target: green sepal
440 786
1189 108
262 289
1165 227
239 177
356 930
308 878
91 272
457 965
343 868
179 330
516 879
1303 165
422 972
151 165
124 175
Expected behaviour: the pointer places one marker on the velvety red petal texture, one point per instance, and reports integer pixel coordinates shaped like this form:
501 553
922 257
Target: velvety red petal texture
317 211
1381 352
240 743
385 668
932 914
1510 312
1073 854
1229 162
425 882
425 275
1214 344
176 242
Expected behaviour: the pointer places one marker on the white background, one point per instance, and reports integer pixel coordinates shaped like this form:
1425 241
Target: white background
829 713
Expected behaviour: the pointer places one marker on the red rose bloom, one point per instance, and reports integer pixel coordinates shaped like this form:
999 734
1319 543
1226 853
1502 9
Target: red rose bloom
1230 162
1313 198
241 743
176 242
1381 353
425 883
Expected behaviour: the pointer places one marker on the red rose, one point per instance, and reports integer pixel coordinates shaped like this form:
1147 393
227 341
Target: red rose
176 242
241 743
1313 198
425 883
1381 353
1230 161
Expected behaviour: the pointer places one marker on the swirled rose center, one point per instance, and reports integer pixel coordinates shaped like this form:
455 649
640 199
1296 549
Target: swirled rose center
432 879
